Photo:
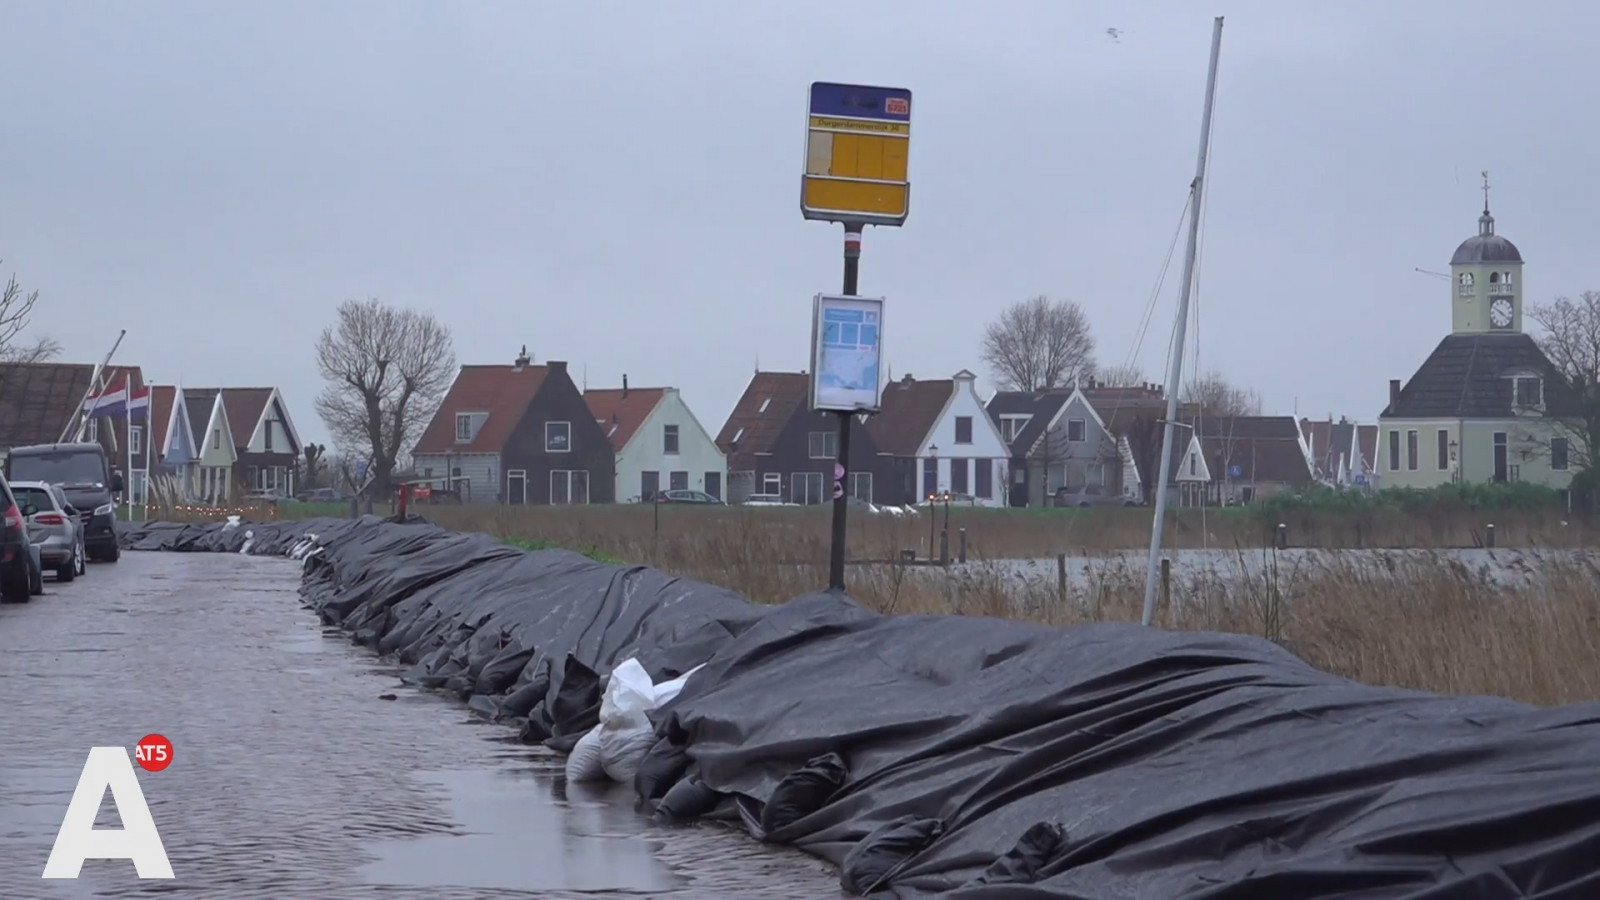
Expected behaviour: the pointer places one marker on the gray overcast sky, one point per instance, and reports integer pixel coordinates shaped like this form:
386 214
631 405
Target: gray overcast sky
616 184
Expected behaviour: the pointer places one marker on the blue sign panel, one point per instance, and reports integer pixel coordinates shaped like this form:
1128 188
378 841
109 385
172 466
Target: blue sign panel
1235 471
860 102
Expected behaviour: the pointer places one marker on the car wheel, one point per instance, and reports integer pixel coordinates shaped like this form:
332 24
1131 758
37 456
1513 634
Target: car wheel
35 578
79 563
14 583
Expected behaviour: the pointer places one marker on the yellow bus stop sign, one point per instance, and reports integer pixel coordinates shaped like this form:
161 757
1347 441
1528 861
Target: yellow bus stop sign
857 140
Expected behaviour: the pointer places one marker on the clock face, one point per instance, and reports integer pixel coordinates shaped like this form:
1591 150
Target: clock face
1500 313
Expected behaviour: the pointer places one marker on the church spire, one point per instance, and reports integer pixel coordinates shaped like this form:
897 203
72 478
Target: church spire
1486 221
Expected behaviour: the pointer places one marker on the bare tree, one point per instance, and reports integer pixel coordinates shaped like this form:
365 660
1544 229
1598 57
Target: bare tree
1144 431
1215 396
15 307
386 371
1571 341
1125 375
1038 344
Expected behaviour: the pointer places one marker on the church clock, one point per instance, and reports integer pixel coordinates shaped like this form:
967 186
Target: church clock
1500 313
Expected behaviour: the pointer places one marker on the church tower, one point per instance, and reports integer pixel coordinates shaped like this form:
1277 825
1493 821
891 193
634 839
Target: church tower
1486 276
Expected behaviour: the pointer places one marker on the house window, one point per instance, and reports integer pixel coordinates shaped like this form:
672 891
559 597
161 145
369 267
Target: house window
805 488
669 439
569 487
254 477
1011 426
824 445
216 438
1194 465
94 431
983 480
713 484
1077 431
1394 450
267 438
649 483
958 475
427 471
135 440
1094 474
1444 449
930 475
963 429
772 484
558 437
1560 452
861 486
463 428
1411 451
677 481
1530 391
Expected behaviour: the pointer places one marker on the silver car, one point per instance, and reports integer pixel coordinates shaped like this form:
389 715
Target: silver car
54 526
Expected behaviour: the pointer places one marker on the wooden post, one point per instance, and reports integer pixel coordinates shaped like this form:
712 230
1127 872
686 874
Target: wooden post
1061 578
961 553
1488 536
1166 582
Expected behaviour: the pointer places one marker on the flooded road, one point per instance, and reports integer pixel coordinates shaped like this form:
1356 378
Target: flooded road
301 767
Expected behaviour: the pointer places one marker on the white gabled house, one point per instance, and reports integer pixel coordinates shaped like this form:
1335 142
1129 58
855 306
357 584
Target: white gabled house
660 445
941 439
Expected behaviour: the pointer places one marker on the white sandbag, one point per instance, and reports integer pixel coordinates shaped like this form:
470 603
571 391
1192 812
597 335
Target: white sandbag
583 763
625 729
249 541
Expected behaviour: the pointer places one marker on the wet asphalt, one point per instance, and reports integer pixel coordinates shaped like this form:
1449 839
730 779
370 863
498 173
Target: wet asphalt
301 766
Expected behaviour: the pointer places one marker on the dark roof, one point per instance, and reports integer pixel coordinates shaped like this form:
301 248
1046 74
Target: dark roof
161 399
1278 428
504 392
908 411
620 411
198 402
758 418
1258 459
1041 405
1466 376
38 400
1485 246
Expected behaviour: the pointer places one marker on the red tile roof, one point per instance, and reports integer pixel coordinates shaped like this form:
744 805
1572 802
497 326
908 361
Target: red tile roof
909 410
620 411
244 407
161 399
756 421
501 391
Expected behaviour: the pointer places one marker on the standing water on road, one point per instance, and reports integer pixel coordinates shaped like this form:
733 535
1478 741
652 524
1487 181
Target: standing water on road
301 767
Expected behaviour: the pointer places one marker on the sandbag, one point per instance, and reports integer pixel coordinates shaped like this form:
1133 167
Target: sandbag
626 733
583 763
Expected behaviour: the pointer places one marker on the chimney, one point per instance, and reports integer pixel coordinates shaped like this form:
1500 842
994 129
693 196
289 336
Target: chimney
624 384
907 379
1394 393
521 361
556 365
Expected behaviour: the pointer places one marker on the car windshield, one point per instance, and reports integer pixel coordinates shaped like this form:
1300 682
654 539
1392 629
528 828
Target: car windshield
37 496
68 468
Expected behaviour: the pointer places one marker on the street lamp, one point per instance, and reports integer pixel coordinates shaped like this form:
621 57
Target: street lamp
933 454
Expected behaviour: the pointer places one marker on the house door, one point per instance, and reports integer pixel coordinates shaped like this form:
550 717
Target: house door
714 484
517 486
1500 462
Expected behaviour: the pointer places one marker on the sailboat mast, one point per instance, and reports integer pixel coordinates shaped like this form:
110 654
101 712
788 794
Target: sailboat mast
1175 368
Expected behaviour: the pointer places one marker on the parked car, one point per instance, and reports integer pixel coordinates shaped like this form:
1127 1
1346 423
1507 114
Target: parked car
53 526
1091 495
84 474
321 495
270 495
20 574
698 497
767 500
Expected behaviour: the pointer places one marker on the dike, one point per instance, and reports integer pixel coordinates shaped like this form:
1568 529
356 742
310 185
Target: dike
977 758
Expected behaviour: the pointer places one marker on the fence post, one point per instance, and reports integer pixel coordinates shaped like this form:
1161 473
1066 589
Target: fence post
1283 536
1166 582
944 548
1488 536
961 552
1061 578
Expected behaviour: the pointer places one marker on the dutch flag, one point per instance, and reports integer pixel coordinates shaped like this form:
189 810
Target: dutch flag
111 400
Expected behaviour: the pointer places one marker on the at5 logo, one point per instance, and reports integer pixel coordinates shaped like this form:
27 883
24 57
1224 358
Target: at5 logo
137 839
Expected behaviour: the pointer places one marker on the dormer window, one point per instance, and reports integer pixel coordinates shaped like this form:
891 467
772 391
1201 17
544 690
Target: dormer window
463 428
1466 287
1529 391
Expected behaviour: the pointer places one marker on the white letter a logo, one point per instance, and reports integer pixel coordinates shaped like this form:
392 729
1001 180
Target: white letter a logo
79 840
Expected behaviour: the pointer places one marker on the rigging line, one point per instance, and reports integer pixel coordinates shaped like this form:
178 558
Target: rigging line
1161 280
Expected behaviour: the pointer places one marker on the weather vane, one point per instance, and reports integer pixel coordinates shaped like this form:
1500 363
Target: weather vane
1485 190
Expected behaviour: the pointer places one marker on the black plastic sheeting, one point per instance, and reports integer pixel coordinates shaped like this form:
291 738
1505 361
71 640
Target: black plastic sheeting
977 758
